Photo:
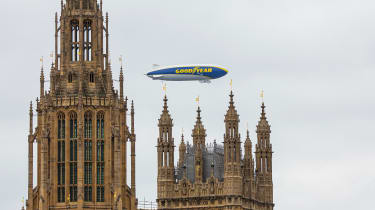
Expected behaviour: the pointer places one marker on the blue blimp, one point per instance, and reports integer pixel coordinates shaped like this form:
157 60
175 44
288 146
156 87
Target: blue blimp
203 73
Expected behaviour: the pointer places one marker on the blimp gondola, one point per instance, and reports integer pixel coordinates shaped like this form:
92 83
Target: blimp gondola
202 73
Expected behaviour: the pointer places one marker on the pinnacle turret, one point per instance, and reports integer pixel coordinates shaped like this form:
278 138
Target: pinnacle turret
121 79
31 118
263 125
231 115
182 145
247 141
41 82
165 117
182 151
199 133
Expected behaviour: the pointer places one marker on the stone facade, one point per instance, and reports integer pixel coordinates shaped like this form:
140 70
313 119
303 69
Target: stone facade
82 130
215 176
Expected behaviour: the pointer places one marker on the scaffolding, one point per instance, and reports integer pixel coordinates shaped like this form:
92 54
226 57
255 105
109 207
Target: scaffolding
147 205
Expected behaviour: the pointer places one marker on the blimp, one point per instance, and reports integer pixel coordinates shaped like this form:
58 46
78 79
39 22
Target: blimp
202 73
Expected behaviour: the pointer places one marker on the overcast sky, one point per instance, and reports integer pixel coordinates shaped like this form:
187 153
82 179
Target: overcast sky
313 58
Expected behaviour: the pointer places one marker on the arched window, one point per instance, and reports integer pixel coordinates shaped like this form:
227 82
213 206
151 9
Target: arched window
88 157
100 125
73 125
61 126
75 40
88 125
61 158
87 55
100 157
70 77
92 77
73 157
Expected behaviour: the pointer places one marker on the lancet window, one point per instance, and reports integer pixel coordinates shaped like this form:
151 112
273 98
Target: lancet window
61 158
88 157
88 125
75 40
92 77
73 157
100 126
87 40
100 158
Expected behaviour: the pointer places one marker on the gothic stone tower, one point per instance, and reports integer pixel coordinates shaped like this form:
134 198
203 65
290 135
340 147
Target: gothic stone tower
212 176
82 130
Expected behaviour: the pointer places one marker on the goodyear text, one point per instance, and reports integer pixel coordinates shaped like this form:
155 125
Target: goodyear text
193 70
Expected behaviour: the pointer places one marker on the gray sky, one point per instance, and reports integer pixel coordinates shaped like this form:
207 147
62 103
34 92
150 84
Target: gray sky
313 58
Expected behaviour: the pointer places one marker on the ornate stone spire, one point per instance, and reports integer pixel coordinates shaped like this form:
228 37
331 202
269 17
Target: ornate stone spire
31 119
199 133
41 82
264 158
165 149
132 118
52 78
248 145
121 79
231 115
182 145
182 151
263 125
165 117
232 150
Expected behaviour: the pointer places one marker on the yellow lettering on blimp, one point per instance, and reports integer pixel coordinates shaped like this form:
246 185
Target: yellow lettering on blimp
193 70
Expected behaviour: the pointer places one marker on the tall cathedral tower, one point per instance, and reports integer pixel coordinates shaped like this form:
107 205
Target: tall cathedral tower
81 131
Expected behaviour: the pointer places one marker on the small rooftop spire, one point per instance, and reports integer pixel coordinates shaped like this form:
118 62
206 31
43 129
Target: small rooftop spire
231 114
263 123
263 117
165 107
132 118
231 102
41 73
41 82
182 137
199 115
199 133
121 79
165 117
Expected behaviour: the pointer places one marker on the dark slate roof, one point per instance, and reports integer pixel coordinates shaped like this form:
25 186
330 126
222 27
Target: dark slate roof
212 153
